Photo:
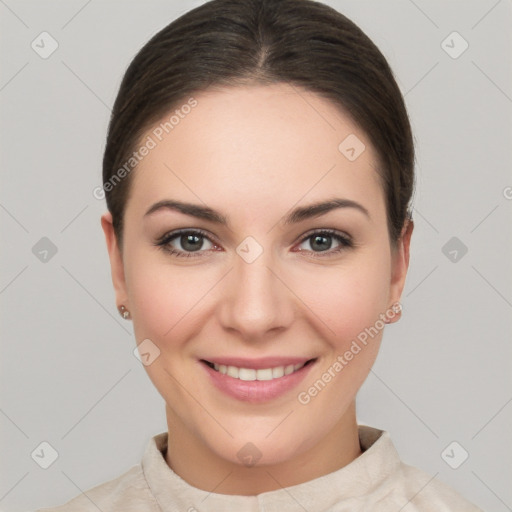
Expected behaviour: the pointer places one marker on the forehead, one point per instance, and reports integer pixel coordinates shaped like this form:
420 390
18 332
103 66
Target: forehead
249 143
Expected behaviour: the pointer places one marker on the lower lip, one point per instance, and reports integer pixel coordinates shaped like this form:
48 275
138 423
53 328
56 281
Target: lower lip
256 391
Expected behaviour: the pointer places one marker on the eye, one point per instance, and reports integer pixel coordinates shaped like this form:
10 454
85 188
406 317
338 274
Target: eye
184 243
190 243
322 241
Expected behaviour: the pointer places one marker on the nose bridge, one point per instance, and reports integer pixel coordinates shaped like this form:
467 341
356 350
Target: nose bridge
257 300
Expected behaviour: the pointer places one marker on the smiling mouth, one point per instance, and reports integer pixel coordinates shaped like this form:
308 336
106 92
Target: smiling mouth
251 374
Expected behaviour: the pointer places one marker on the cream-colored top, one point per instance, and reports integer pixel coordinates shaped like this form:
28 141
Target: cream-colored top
376 481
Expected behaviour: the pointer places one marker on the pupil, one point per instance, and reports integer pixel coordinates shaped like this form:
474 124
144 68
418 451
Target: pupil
323 240
188 241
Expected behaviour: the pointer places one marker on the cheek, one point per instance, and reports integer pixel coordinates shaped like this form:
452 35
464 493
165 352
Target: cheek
165 303
164 299
346 299
347 304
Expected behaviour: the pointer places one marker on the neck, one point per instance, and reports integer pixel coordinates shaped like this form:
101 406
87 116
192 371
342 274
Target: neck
202 468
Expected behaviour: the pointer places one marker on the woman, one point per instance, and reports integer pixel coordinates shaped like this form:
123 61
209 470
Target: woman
258 174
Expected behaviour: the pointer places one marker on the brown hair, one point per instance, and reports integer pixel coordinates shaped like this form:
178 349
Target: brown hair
230 42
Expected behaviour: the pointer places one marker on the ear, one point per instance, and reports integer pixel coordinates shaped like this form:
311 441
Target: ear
400 265
116 260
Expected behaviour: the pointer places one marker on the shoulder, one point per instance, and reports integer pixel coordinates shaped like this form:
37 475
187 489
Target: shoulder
128 492
424 493
399 486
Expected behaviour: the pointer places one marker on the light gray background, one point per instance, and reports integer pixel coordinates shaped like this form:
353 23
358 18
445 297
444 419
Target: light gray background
68 374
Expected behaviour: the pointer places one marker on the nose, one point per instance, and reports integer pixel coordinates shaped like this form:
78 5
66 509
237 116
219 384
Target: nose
256 301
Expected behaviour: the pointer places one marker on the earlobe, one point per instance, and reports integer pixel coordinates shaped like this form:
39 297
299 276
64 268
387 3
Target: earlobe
399 267
116 260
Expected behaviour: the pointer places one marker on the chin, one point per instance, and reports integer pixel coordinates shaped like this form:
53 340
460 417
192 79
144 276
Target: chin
256 448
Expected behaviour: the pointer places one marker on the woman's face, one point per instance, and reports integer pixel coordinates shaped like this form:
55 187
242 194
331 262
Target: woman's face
250 284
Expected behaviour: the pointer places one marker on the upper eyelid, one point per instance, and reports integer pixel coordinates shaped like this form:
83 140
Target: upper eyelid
171 235
329 231
177 232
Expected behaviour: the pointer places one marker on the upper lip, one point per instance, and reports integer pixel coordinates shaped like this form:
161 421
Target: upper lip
258 363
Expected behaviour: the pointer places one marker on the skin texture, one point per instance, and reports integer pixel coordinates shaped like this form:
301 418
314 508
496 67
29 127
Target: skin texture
253 153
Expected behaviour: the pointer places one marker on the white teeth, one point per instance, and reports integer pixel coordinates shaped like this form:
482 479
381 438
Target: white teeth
277 372
247 374
265 374
261 374
233 371
288 369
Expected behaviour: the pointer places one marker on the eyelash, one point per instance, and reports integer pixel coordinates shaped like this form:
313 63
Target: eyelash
163 243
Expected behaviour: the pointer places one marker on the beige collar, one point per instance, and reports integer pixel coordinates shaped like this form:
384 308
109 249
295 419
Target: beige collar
350 484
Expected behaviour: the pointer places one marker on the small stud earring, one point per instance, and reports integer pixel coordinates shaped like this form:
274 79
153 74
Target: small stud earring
124 312
397 307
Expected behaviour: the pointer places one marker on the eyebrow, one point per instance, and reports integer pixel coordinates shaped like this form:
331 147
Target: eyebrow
295 216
